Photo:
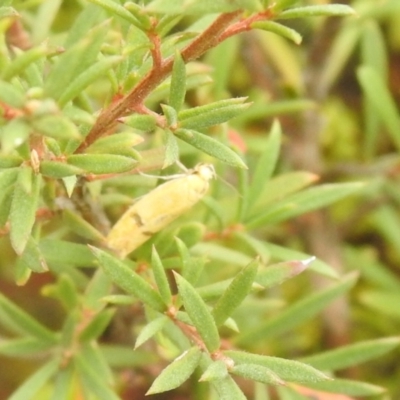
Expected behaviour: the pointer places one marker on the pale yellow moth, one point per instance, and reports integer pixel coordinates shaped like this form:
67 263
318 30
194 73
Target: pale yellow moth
159 208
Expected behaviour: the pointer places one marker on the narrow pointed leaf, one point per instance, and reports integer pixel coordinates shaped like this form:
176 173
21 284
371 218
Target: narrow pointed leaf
23 60
57 127
199 313
24 348
227 389
303 202
57 169
236 292
279 29
192 267
102 163
75 60
23 208
32 257
217 370
210 146
287 370
86 77
177 372
30 388
353 354
92 382
117 10
171 149
212 114
378 94
273 275
349 387
257 373
81 227
328 10
22 323
61 251
97 325
265 165
151 329
298 313
160 277
129 280
178 83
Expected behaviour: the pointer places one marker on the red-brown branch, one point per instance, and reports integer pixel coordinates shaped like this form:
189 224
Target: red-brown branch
217 32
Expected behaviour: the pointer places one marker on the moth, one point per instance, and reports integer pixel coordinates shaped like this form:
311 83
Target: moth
159 208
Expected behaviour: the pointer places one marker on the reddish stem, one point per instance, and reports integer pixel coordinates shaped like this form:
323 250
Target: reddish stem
218 31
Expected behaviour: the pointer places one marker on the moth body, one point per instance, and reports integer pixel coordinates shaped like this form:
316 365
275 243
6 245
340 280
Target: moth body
159 208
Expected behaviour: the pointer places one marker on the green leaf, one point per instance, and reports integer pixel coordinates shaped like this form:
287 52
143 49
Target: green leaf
177 372
91 380
11 95
32 258
216 371
119 143
23 60
139 13
222 253
283 253
171 149
29 389
64 291
61 251
178 83
99 287
298 313
353 354
265 165
193 7
57 127
385 303
87 77
211 114
97 325
10 161
210 146
23 208
118 10
273 275
24 348
378 94
287 370
63 389
192 267
283 185
279 29
199 314
81 227
150 329
102 163
129 280
161 277
75 60
303 202
328 10
236 292
58 169
227 389
348 387
257 373
22 323
145 123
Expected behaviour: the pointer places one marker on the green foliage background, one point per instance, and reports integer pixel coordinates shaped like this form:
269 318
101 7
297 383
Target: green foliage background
304 138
